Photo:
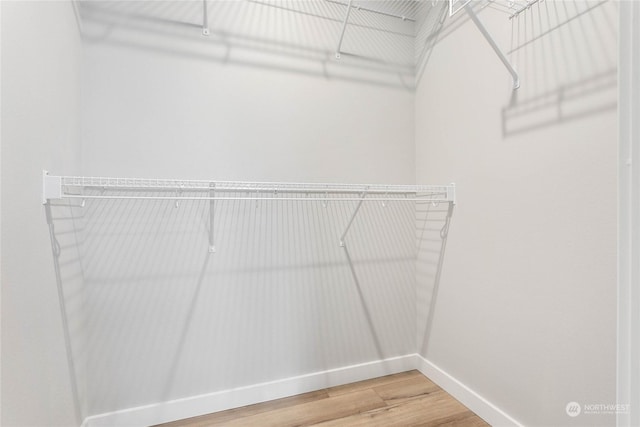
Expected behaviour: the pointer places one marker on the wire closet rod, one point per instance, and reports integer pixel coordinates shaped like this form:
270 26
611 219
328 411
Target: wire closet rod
59 187
298 199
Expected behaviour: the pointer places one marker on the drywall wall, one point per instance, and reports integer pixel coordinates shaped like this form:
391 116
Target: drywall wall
156 89
526 307
40 129
279 298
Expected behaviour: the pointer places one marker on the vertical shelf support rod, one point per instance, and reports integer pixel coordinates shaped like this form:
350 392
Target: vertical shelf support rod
205 19
353 216
344 28
496 49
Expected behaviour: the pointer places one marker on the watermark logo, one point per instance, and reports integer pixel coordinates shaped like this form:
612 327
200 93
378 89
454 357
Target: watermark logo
573 409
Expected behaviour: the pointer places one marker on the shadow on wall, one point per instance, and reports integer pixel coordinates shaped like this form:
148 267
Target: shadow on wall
433 25
66 230
292 36
565 52
432 227
159 317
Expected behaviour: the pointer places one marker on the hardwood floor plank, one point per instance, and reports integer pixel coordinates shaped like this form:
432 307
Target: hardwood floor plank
467 419
408 399
404 390
430 410
367 384
332 408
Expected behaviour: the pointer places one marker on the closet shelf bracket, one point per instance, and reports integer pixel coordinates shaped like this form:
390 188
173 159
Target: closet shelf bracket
344 29
492 42
353 217
51 187
205 19
451 193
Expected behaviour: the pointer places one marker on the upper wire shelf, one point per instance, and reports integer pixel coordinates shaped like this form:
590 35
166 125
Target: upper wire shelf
513 8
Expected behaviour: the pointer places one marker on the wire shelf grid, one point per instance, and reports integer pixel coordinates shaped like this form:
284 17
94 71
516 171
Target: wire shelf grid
71 185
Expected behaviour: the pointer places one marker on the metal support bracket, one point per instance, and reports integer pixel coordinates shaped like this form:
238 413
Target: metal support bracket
496 49
51 187
444 232
353 217
451 193
344 28
456 5
205 19
212 210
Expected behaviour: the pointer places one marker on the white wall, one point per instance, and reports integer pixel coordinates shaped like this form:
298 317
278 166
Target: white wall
160 91
277 299
40 129
526 309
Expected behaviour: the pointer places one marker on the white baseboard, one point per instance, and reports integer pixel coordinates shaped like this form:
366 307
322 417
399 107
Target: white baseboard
212 402
193 406
469 398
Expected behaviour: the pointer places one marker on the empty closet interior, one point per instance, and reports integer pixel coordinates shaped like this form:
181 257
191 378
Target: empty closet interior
211 204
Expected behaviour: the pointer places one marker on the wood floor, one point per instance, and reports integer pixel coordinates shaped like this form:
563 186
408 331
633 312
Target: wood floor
406 399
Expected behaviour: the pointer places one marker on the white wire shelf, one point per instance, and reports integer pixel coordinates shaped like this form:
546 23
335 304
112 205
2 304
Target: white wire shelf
69 187
512 8
85 188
